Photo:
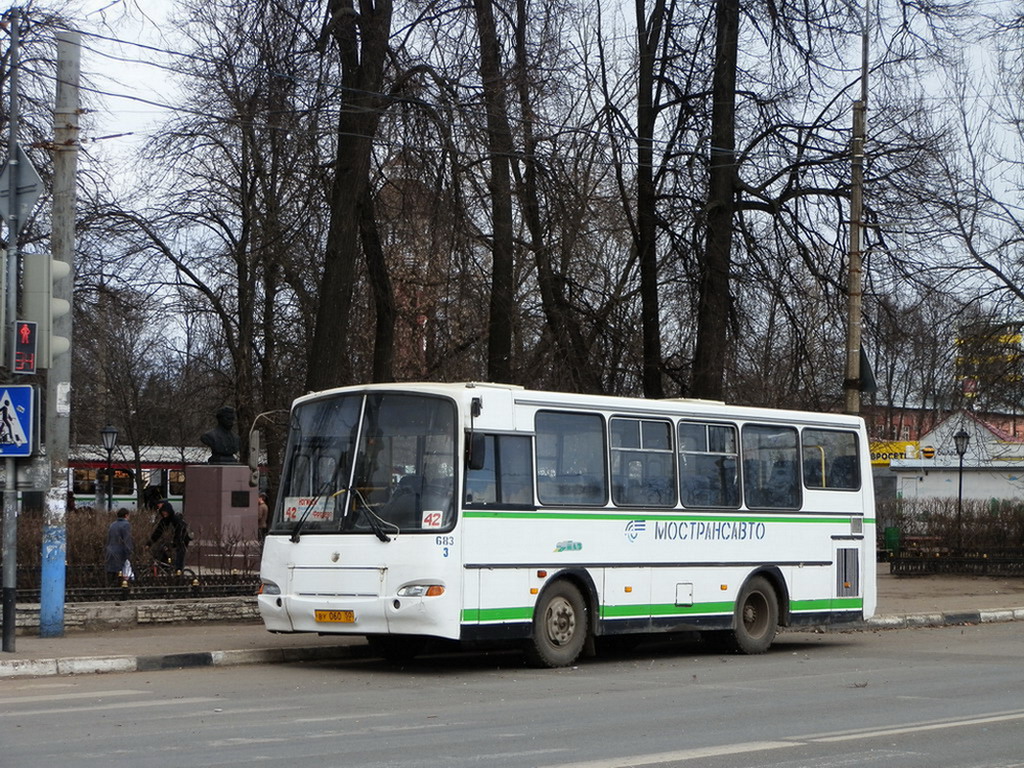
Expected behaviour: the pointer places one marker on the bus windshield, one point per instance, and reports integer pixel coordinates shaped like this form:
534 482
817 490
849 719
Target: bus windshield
381 463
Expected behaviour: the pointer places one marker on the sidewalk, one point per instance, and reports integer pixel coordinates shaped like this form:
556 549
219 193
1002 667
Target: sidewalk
902 602
141 648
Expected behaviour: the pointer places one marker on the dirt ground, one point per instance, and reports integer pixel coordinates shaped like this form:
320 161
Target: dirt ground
943 594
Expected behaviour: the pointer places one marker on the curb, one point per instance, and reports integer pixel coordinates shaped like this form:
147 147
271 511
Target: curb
16 668
100 664
950 619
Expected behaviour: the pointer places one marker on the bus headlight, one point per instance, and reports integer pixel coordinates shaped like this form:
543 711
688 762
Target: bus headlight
421 590
269 588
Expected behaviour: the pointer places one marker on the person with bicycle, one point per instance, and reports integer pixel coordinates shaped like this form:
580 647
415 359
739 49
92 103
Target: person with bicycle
174 522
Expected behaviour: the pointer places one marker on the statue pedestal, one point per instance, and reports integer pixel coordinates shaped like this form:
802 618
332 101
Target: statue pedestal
221 509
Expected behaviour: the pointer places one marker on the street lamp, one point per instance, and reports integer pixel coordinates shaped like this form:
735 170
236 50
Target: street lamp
960 439
109 437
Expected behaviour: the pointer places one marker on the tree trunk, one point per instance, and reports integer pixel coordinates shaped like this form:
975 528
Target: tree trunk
714 300
648 37
362 40
383 295
499 138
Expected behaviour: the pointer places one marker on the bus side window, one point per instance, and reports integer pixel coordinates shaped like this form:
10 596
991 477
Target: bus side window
708 473
771 474
176 482
84 483
506 477
643 473
571 465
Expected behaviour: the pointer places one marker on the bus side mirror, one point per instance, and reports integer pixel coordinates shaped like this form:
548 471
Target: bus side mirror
254 458
477 450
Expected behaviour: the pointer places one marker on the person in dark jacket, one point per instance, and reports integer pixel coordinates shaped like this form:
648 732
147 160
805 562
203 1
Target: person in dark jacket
173 522
119 547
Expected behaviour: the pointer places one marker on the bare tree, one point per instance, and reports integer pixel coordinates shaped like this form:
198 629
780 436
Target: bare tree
227 240
361 37
498 190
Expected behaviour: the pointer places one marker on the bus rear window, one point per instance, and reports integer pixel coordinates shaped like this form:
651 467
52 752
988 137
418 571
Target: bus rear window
830 459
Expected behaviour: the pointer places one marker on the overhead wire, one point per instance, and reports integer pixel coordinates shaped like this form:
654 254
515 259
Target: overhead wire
595 126
179 107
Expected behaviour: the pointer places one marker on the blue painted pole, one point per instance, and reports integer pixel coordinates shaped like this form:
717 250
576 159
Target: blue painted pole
58 380
51 594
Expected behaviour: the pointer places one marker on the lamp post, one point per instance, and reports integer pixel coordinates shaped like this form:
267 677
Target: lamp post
109 437
960 439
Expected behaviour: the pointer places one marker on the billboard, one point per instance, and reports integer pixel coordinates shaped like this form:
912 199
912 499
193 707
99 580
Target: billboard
882 452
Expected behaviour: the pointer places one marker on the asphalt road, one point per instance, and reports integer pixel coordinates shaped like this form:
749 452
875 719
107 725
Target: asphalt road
915 697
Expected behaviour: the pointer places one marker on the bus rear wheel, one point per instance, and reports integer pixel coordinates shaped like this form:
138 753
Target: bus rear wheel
560 626
757 617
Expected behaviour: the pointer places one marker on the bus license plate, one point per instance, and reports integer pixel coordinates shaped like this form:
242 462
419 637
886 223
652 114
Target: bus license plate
336 617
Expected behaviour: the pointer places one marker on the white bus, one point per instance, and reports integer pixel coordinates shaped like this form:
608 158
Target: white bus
481 512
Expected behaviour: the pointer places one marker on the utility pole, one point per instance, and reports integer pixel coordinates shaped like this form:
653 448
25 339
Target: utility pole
58 376
10 313
855 278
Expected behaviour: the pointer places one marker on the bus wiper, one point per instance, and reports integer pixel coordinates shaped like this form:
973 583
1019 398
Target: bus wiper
294 538
376 524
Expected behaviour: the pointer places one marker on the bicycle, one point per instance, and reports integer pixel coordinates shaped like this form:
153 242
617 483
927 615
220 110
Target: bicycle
162 567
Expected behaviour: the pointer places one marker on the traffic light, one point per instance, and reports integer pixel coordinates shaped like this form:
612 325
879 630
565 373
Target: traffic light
40 305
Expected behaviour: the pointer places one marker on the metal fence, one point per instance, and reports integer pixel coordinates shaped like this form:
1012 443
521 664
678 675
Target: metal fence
924 565
89 583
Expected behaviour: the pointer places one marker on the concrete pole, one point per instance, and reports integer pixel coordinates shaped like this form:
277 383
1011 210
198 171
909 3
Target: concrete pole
855 278
10 303
58 377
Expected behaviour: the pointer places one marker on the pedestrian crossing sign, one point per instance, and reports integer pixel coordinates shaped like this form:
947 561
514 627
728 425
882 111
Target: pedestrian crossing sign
16 418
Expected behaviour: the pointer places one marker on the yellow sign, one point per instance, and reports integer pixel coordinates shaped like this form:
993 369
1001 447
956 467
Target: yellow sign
884 452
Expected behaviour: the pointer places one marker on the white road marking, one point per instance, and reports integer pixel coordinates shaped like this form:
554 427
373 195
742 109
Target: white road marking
92 707
65 696
700 753
724 750
895 730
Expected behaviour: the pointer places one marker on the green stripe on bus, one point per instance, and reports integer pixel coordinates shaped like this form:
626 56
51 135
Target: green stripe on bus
665 609
827 604
657 517
498 614
525 613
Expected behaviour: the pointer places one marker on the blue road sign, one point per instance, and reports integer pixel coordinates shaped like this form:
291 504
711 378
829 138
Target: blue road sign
16 418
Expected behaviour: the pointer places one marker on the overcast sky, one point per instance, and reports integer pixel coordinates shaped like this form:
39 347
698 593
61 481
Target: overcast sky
122 45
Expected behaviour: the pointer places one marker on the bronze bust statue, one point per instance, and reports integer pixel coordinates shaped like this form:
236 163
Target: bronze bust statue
221 440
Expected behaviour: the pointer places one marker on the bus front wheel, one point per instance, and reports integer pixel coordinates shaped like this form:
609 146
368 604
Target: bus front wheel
757 617
560 626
